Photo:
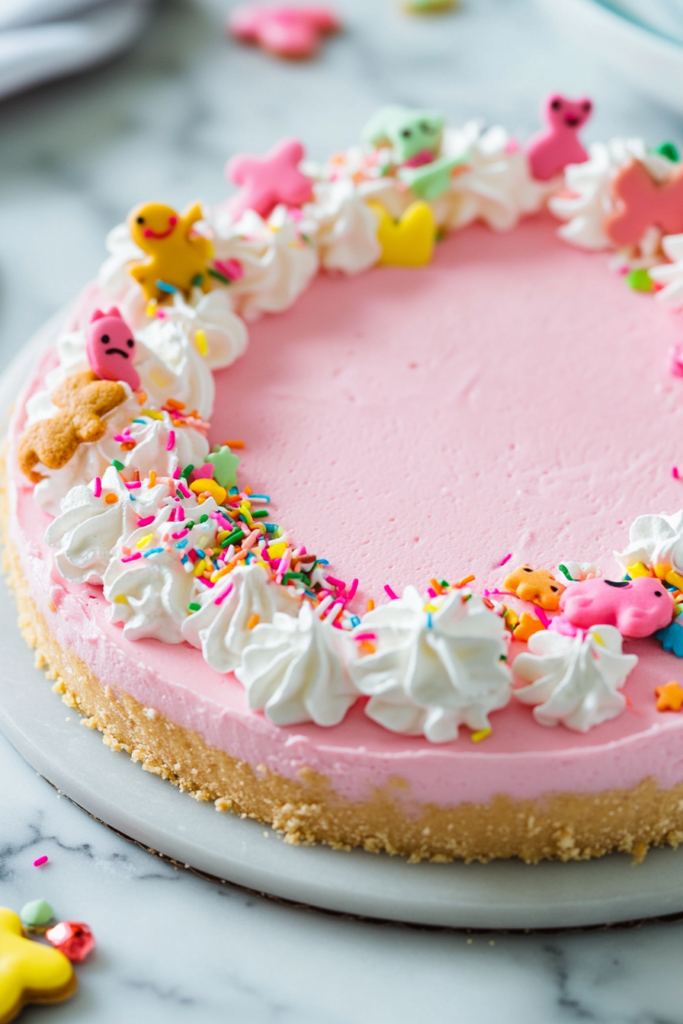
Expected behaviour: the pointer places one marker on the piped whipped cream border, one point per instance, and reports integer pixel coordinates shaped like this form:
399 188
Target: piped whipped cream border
178 566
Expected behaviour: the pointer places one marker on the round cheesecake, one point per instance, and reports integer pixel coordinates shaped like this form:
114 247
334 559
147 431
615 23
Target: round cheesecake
509 404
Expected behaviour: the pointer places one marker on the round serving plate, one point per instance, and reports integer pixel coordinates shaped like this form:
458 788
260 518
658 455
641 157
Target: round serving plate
503 894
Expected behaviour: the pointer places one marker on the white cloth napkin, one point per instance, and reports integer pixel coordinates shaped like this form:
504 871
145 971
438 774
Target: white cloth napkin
43 39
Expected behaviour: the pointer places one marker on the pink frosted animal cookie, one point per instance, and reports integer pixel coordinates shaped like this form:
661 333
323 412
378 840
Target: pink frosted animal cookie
268 180
287 31
637 607
551 150
111 348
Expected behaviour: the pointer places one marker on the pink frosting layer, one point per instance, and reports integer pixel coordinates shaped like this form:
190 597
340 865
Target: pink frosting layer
512 397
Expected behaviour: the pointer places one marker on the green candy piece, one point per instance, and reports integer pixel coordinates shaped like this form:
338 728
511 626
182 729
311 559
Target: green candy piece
639 280
431 180
36 912
224 466
408 132
668 150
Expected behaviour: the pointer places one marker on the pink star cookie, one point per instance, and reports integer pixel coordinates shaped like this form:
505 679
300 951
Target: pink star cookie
268 180
288 31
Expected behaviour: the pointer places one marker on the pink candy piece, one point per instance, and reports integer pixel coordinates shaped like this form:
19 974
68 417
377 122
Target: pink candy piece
73 938
287 31
111 348
204 472
551 150
637 607
268 180
643 202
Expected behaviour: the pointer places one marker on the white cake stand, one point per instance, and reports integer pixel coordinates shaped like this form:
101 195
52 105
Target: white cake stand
152 812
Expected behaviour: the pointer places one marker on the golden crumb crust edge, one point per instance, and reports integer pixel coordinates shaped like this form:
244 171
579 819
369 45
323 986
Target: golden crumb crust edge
558 826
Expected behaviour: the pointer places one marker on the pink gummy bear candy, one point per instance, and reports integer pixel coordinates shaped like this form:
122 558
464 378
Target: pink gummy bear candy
551 150
269 180
111 348
641 202
637 607
287 31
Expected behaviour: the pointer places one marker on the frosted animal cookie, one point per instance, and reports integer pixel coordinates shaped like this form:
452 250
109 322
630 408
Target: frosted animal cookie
82 400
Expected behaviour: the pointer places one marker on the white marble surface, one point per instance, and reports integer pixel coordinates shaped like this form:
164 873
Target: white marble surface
160 123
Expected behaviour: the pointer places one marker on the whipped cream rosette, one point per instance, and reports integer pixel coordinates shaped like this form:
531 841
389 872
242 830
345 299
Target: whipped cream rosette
150 580
346 236
294 671
277 258
574 681
437 665
588 198
139 439
223 626
654 540
95 517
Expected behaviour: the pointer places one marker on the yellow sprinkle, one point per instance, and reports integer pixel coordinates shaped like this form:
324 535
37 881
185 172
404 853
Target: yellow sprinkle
152 478
674 578
199 567
120 599
598 639
151 307
430 608
201 343
253 621
277 550
153 413
218 493
144 540
477 737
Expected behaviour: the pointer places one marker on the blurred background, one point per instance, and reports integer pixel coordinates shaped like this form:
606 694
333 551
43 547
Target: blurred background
168 98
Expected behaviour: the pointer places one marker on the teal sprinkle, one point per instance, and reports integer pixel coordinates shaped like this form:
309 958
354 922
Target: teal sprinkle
271 527
144 422
233 490
163 286
355 621
429 620
182 543
259 497
152 551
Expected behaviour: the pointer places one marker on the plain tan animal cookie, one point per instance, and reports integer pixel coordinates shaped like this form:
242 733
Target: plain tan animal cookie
82 400
536 585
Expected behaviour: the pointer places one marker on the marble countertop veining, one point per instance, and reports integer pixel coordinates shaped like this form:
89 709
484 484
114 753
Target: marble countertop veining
160 122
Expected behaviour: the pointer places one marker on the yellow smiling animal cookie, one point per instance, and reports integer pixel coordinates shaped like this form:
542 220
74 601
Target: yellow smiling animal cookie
29 971
177 258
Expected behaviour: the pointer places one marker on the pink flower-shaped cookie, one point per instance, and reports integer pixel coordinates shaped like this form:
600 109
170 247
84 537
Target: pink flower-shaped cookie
637 607
287 31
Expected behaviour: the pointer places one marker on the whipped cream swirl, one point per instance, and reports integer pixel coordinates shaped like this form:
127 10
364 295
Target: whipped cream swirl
574 681
433 670
294 670
277 258
224 625
149 588
670 275
89 527
654 540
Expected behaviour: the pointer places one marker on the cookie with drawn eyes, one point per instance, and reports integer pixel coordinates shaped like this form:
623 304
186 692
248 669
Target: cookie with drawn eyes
536 585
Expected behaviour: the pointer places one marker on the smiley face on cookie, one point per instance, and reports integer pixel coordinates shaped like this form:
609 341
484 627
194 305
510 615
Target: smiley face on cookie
536 585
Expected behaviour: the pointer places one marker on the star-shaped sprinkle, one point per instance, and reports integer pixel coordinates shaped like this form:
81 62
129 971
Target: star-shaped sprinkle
669 697
287 31
224 466
29 971
269 180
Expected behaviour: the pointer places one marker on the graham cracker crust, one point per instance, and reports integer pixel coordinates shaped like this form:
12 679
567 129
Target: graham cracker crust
559 826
